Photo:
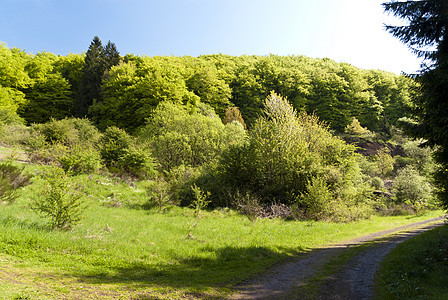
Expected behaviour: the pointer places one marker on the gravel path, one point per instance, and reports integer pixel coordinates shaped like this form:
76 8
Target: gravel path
353 281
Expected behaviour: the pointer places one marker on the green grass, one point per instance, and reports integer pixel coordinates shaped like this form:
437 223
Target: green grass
416 269
132 251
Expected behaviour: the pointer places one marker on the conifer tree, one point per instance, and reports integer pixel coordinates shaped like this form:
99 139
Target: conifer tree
97 61
426 33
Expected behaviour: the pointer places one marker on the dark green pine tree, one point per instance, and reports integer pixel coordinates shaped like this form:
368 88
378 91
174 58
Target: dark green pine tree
92 73
98 60
111 55
426 33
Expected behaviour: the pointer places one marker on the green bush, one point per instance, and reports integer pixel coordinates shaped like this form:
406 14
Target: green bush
120 154
58 131
12 178
81 160
293 158
14 134
384 162
59 199
188 137
377 183
410 187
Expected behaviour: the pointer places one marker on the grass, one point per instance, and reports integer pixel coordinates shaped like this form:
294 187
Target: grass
416 269
124 249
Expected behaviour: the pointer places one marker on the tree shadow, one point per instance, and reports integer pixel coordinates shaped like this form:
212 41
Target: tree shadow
198 274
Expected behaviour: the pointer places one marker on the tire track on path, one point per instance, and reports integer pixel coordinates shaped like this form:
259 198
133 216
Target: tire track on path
353 281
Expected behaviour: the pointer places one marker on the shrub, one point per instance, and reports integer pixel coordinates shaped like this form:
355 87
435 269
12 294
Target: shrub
419 157
355 128
12 177
14 134
120 154
58 131
233 114
410 187
188 137
384 162
79 160
377 183
317 201
283 153
159 194
59 200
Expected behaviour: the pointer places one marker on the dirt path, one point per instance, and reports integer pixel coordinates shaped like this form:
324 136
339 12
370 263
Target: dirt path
352 281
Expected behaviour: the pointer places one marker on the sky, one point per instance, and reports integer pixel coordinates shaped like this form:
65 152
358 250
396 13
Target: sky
350 31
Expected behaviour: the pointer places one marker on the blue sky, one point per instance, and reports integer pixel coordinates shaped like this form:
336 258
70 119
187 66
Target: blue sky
344 30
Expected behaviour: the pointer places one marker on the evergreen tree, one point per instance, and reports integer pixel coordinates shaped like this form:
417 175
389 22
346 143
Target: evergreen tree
98 60
426 33
111 55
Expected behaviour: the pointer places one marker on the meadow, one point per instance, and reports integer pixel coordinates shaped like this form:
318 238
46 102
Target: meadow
123 247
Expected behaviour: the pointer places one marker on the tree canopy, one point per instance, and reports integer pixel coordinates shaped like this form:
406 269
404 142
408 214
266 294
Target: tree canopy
426 33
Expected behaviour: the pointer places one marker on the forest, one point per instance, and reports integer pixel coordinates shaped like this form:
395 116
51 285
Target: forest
271 136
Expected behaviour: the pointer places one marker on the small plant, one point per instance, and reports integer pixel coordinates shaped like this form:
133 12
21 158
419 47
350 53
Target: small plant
59 200
11 178
200 202
158 193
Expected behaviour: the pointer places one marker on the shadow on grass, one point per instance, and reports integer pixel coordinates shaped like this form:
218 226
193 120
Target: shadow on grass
229 266
34 225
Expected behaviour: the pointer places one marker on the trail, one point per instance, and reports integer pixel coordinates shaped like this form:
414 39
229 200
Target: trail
354 280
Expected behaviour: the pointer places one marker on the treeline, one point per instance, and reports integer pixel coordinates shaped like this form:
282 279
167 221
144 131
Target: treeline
123 91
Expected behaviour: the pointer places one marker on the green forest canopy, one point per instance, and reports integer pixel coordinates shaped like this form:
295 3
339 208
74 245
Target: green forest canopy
125 90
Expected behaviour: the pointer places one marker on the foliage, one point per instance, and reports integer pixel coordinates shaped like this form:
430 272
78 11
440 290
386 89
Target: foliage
200 202
411 187
12 178
191 138
120 154
233 114
59 200
285 151
425 32
81 160
98 60
158 193
355 128
384 162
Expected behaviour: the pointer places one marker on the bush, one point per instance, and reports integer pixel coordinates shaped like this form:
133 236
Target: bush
12 177
69 132
377 183
192 138
14 134
121 155
384 162
79 160
283 153
58 131
59 200
410 187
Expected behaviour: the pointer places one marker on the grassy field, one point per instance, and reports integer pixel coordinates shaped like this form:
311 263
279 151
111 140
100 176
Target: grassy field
123 249
417 268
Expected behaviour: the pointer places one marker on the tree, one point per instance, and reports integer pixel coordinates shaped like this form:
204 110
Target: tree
98 60
426 33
